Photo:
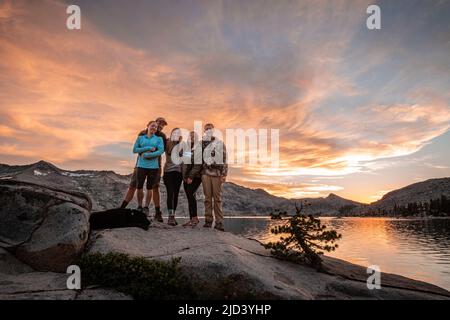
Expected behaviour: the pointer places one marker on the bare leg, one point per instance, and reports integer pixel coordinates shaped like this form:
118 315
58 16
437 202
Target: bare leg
148 198
128 197
156 199
158 214
131 189
130 194
140 196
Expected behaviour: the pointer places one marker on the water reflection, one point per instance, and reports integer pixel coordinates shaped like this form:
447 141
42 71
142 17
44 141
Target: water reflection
418 249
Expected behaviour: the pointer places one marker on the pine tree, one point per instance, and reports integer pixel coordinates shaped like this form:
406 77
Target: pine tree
306 239
426 207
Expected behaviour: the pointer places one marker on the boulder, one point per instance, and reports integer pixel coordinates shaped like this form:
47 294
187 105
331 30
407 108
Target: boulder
50 286
10 265
35 286
43 227
225 266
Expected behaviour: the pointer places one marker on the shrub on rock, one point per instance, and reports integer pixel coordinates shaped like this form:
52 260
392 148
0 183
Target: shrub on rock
141 278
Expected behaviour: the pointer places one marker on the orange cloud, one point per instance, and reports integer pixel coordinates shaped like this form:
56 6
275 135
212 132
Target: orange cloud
67 94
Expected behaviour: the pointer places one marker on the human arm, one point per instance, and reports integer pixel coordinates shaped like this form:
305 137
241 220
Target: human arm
195 170
224 169
156 153
137 147
196 163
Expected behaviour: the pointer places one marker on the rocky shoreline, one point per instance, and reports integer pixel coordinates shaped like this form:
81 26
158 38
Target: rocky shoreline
45 231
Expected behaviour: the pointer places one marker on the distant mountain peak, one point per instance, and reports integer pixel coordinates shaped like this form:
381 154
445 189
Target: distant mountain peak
333 196
44 165
261 191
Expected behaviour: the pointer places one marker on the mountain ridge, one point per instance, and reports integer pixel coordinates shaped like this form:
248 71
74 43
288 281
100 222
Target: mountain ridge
107 188
419 193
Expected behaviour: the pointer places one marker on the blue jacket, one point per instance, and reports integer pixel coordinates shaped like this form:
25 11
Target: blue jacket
143 145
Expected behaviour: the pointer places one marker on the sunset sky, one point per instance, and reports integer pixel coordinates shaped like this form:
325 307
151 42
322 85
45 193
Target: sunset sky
360 112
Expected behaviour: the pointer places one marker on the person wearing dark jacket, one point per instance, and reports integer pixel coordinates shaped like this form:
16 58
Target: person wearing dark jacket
192 175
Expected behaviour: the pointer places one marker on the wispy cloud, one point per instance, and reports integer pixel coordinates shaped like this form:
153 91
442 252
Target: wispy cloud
342 97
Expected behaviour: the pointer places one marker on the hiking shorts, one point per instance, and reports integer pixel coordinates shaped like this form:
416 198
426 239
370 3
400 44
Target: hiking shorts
146 174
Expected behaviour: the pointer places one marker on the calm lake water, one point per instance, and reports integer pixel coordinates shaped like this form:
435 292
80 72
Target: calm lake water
415 248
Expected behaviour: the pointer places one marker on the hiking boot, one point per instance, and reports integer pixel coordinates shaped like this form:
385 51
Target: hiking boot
219 226
207 224
172 221
191 223
158 217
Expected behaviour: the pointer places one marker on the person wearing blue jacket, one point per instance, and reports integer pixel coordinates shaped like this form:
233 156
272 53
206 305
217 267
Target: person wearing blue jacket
149 147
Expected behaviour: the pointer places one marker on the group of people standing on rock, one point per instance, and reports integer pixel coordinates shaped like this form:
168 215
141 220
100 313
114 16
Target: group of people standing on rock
192 163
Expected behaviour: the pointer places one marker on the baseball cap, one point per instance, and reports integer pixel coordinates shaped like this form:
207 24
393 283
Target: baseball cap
162 120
